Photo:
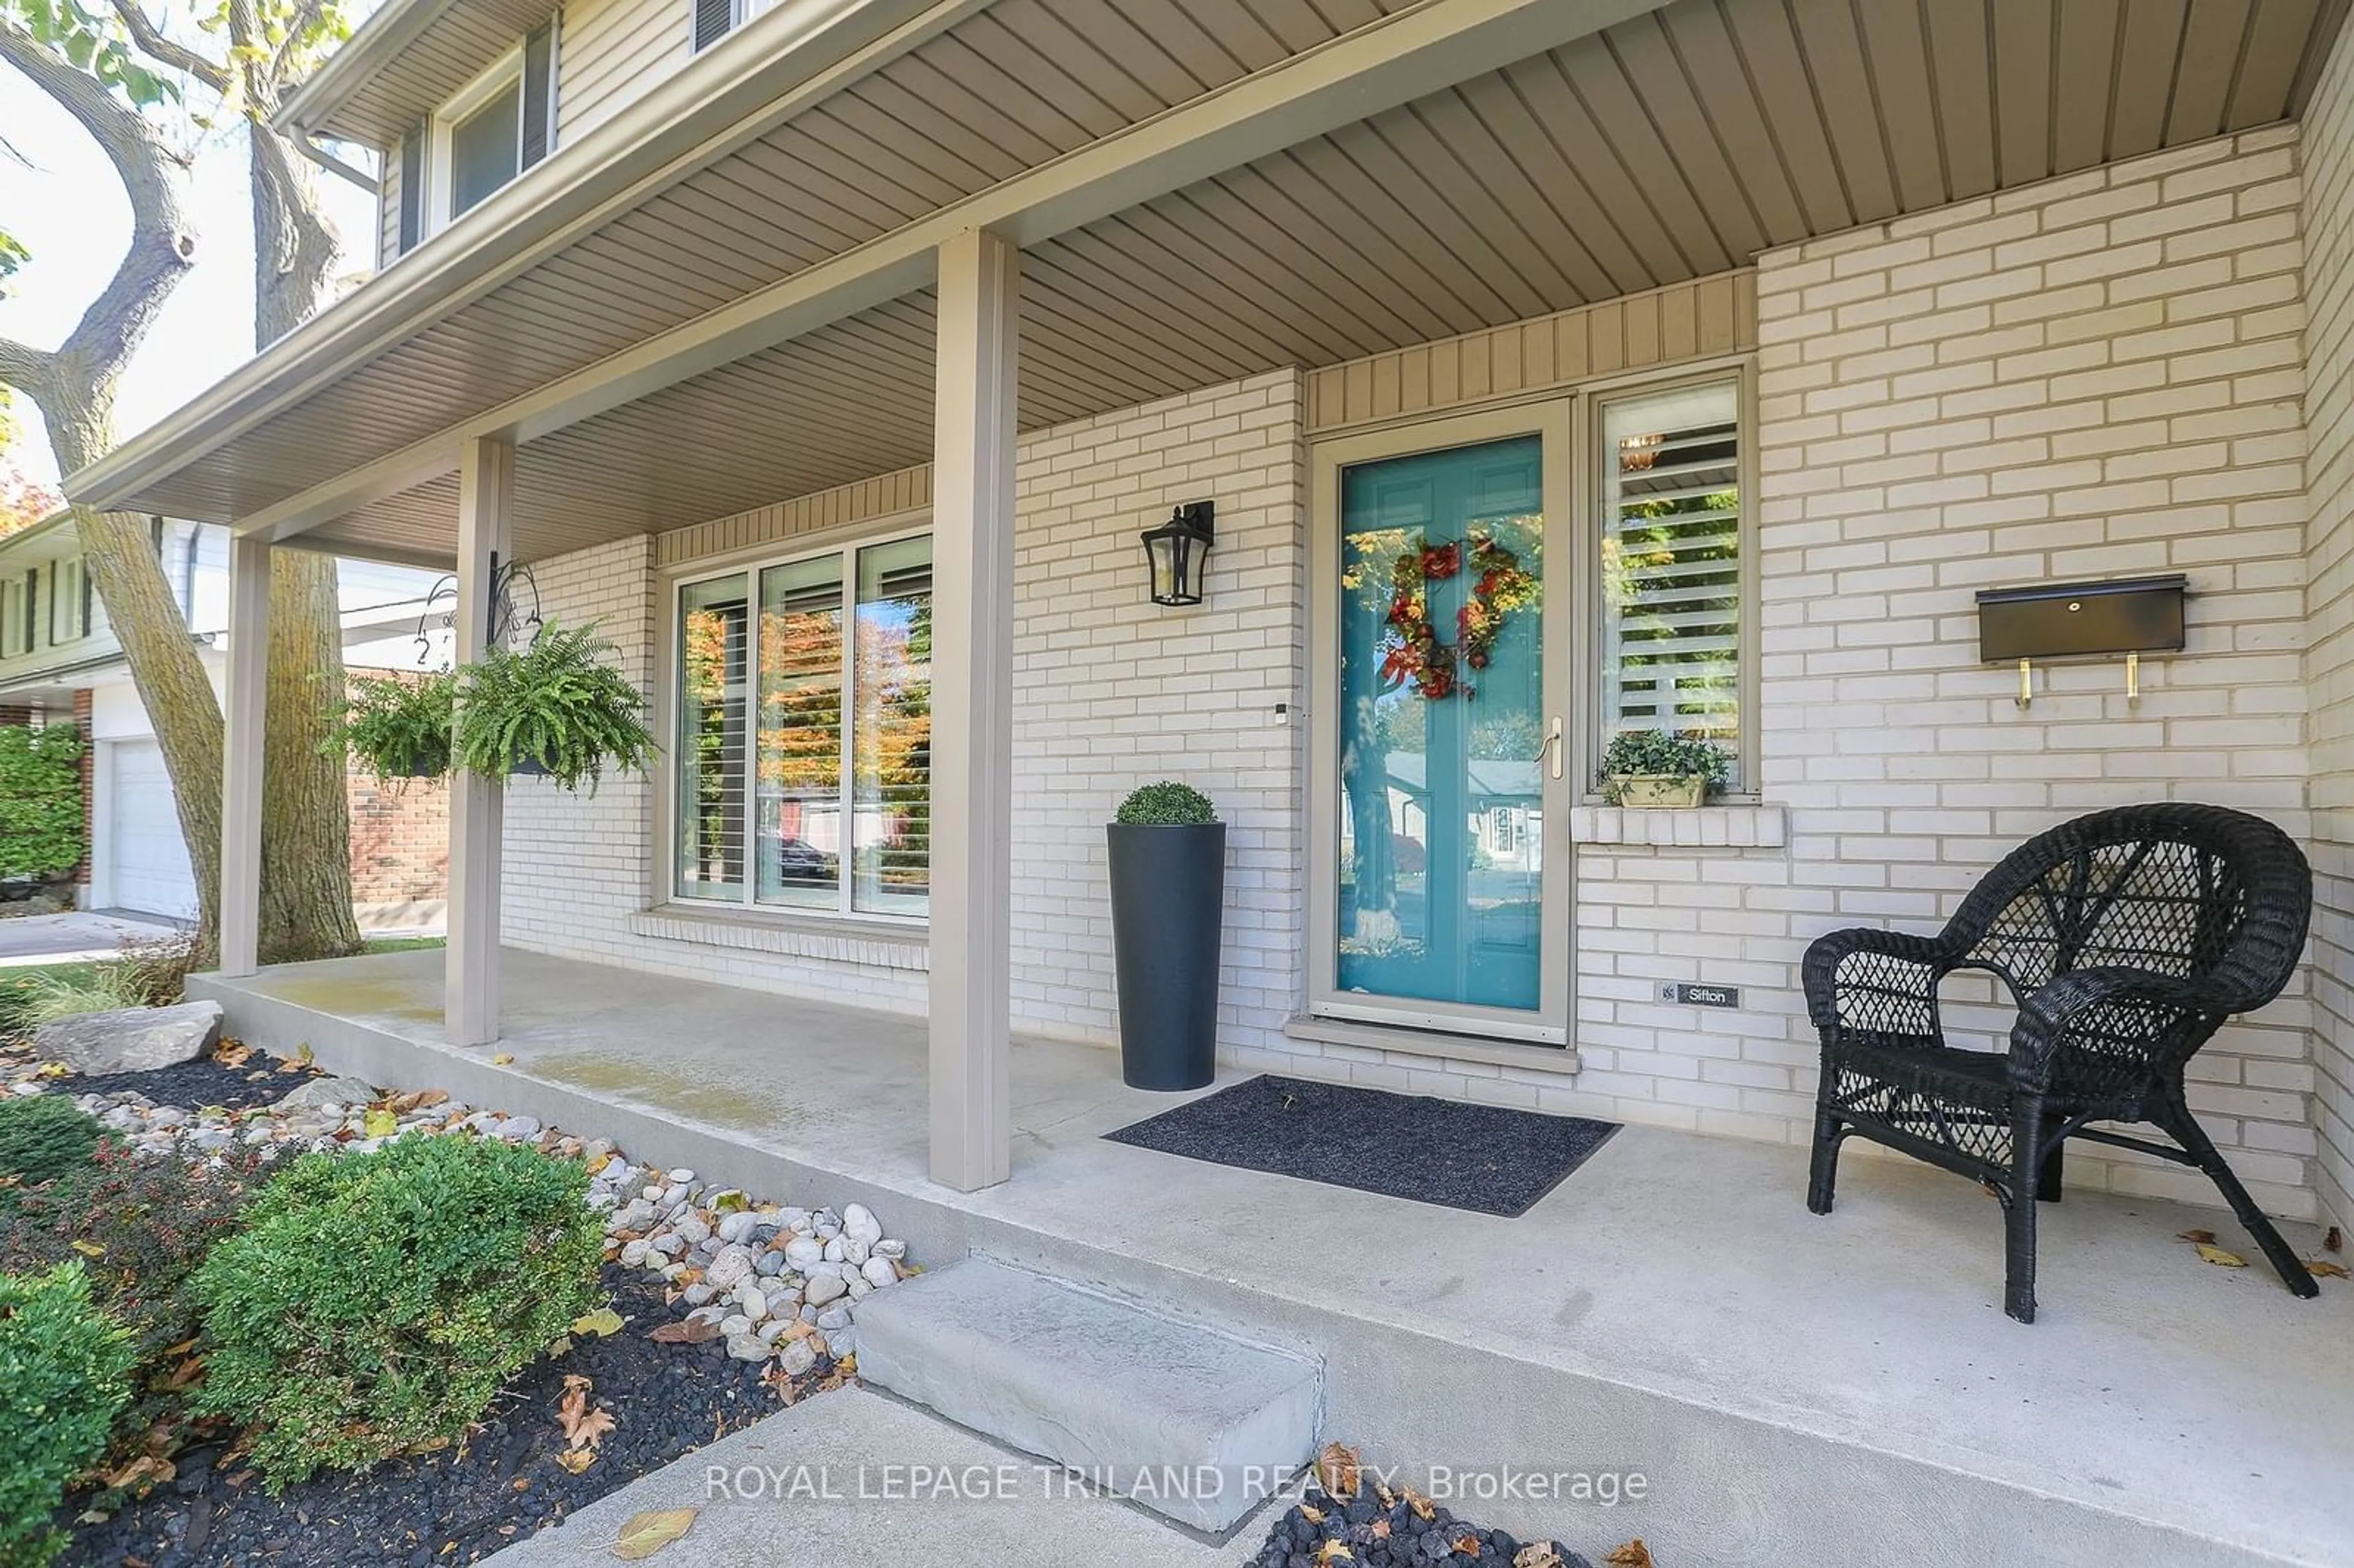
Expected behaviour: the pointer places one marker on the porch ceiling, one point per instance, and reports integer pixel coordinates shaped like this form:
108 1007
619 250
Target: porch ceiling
1672 146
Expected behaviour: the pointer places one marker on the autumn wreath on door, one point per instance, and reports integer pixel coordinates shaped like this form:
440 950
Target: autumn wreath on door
1414 655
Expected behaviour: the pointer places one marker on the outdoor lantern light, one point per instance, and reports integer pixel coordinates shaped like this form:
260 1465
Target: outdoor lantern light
1179 552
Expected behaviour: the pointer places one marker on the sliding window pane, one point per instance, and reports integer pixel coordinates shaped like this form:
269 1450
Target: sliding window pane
713 630
797 788
892 758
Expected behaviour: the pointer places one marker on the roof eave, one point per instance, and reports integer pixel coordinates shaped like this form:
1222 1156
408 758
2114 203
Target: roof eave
312 105
701 104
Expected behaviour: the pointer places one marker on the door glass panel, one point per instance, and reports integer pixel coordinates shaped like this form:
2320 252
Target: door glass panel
797 782
1442 722
892 745
713 627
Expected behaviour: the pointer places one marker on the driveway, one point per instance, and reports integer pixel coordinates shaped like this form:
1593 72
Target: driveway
64 938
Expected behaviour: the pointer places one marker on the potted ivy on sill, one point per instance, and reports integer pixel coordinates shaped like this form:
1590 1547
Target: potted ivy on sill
1168 902
1652 768
398 729
558 709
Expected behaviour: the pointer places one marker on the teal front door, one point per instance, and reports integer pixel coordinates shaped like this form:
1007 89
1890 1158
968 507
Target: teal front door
1445 733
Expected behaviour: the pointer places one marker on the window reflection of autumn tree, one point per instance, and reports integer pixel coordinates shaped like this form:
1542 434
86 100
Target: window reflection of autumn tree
711 647
893 738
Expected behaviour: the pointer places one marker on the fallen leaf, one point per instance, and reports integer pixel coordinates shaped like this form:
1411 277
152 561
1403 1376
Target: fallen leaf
1420 1504
2202 1237
649 1532
232 1053
1467 1546
1334 1552
302 1056
1381 1528
598 1165
1537 1554
2322 1268
1634 1554
1311 1514
559 1347
1336 1470
686 1331
583 1428
146 1471
503 1058
88 1249
379 1124
53 1070
779 1381
2209 1252
577 1460
601 1322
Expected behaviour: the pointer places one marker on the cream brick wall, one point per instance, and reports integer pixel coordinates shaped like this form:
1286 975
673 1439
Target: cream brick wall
2327 164
2096 377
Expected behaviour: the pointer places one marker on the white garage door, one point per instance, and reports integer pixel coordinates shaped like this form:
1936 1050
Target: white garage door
151 863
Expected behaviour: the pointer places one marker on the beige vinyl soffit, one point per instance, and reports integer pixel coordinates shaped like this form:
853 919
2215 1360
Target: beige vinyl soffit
1700 319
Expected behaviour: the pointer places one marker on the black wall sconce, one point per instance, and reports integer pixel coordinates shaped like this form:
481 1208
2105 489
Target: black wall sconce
2131 615
1179 552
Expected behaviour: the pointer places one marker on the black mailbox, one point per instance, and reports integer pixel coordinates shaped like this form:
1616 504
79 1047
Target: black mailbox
2064 620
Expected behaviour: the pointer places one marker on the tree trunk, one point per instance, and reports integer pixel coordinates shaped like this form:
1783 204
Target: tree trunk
306 832
119 550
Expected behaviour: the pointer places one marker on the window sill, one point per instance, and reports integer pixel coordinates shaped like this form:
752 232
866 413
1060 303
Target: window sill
1764 826
1434 1043
833 938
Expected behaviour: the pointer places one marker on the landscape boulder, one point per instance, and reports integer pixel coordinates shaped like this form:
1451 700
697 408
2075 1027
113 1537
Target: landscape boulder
132 1040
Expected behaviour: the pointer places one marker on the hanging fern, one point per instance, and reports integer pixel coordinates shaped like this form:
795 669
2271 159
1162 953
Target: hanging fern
557 707
398 729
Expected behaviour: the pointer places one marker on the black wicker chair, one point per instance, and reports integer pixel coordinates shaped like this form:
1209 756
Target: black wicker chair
2126 938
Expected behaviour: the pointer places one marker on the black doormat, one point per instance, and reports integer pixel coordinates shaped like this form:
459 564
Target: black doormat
1489 1160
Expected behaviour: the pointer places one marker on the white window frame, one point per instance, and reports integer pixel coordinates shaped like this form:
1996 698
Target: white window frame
745 902
439 186
66 593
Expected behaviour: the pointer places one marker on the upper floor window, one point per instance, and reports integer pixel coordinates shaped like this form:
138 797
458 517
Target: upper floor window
715 19
475 144
68 601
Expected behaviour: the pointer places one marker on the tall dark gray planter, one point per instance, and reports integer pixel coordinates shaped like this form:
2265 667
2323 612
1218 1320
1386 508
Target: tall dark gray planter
1168 903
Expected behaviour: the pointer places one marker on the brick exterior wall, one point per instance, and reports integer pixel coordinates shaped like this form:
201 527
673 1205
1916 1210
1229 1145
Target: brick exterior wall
2329 212
400 839
2096 377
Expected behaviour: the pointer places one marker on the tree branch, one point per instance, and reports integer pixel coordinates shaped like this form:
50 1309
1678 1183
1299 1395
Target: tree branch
163 241
168 52
26 368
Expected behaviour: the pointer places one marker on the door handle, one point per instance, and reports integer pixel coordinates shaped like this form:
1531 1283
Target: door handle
1553 748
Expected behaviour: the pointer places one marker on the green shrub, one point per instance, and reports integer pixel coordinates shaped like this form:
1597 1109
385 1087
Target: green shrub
144 1223
62 1383
376 1302
1167 804
399 727
558 705
1638 753
45 1136
40 800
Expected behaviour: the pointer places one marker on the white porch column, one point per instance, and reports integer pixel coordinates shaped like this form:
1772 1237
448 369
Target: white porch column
470 985
241 756
972 711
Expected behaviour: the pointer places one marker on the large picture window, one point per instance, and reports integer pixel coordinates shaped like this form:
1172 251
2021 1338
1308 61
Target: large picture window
804 733
1672 564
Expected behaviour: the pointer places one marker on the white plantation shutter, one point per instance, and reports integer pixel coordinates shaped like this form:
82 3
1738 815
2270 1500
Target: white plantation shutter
1671 562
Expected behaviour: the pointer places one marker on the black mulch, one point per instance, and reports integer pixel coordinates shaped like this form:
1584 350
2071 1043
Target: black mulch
207 1081
462 1504
1398 1535
1490 1160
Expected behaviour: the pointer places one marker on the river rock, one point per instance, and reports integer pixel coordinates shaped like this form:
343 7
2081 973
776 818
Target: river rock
133 1039
322 1091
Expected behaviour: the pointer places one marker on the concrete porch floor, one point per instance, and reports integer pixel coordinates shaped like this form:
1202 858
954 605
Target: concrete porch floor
1787 1383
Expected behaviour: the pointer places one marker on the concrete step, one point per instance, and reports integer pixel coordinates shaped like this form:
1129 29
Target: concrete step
1190 1423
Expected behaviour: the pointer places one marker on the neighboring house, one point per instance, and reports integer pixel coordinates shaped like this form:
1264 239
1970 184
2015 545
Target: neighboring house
1761 336
59 659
